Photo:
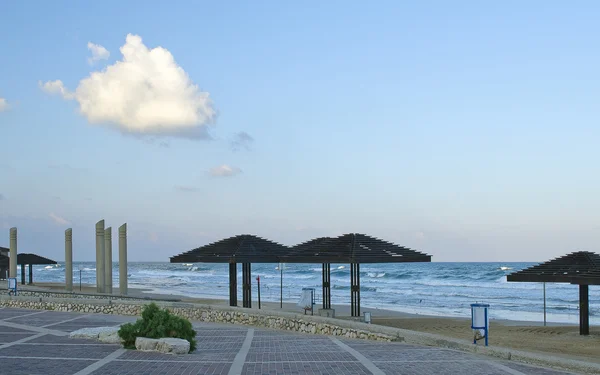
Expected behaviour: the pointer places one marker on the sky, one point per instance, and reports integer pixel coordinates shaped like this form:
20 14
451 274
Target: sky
468 130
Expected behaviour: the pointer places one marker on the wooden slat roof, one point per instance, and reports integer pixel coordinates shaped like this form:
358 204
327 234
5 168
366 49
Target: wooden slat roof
581 267
237 249
353 248
348 248
26 258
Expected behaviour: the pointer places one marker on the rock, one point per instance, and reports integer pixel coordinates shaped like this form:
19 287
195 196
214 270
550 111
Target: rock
145 344
93 333
110 337
173 346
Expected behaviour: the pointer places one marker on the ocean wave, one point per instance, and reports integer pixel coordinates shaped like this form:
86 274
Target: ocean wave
362 288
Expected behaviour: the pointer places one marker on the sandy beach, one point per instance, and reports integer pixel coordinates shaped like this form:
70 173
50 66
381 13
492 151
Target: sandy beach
556 339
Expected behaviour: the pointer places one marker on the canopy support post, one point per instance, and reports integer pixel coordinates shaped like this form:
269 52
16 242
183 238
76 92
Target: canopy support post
246 285
326 285
232 284
355 289
584 310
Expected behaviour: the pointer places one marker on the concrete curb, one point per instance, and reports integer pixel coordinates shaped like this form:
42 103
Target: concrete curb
398 334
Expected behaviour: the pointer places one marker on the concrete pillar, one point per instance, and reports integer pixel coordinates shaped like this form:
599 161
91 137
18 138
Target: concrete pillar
100 256
108 260
13 253
69 259
123 259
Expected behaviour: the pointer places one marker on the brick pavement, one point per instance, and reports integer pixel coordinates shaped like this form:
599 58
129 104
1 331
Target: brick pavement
34 342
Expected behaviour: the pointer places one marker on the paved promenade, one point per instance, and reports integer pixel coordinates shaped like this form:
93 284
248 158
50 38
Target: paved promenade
36 342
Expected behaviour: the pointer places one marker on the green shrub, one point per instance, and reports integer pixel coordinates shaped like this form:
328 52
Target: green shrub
157 323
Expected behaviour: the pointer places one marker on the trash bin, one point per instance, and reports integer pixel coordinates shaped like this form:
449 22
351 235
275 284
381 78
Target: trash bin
307 300
480 322
367 317
12 286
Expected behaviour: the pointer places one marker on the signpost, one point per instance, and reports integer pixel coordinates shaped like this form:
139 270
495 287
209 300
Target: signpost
544 304
281 266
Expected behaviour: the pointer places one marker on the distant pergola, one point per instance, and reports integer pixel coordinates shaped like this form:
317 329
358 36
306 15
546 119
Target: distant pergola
26 259
581 268
350 248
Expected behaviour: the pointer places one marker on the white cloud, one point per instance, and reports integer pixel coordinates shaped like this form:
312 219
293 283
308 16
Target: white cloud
98 53
3 104
145 93
58 220
56 87
224 171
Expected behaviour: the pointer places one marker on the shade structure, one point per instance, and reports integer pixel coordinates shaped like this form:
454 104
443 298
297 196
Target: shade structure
4 260
24 259
245 249
237 249
565 269
581 268
352 248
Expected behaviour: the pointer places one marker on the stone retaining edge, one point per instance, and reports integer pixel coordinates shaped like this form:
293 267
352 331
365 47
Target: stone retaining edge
294 322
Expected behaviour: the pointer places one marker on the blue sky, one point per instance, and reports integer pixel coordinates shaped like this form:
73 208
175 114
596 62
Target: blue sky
467 130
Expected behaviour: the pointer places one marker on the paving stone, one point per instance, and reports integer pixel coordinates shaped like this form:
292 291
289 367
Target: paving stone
12 337
17 366
5 329
442 368
195 356
161 368
329 368
300 357
418 355
60 340
57 351
271 352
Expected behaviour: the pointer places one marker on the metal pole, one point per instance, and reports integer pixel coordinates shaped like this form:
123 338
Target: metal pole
258 282
544 304
80 278
281 286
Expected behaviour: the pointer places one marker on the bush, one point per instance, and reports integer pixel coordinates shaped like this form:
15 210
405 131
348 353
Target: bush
155 324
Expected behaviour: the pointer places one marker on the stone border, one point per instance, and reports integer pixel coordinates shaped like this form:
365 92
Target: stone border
61 295
294 322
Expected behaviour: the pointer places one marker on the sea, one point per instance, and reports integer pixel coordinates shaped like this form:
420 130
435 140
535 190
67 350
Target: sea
437 288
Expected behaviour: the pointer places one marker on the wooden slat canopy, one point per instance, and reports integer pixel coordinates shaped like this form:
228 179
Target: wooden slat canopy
238 249
580 267
569 268
353 248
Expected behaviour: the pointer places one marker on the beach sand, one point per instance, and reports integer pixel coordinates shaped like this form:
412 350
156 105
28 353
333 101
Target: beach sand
556 339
